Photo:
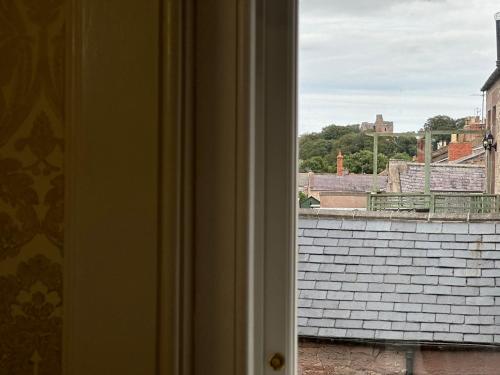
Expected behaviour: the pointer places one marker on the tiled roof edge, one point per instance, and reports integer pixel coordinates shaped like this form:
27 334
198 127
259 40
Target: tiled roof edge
311 213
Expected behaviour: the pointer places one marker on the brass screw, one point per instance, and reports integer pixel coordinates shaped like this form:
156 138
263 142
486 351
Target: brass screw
277 361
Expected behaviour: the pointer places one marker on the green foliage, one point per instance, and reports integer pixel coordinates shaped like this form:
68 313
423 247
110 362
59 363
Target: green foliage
335 131
362 162
302 196
443 123
401 156
313 144
315 164
318 151
351 143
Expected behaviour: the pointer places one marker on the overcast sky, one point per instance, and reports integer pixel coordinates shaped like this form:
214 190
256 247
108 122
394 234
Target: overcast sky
407 59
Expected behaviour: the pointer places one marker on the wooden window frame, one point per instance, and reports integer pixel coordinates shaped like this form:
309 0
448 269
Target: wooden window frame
163 273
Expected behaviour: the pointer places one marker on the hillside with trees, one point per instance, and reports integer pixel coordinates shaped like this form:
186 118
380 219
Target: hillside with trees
318 151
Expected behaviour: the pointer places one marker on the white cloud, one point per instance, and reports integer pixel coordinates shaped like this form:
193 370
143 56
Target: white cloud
407 59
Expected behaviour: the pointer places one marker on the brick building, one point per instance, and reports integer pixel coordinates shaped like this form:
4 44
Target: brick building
492 89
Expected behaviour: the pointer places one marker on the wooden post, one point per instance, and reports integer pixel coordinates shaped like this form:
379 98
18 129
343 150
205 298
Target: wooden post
375 163
428 158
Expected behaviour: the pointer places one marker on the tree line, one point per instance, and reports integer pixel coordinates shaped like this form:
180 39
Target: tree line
318 151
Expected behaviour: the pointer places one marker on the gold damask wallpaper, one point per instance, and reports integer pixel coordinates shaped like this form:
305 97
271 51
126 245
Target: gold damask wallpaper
32 61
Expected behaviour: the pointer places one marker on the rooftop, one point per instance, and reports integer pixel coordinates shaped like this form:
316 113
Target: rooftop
364 276
346 183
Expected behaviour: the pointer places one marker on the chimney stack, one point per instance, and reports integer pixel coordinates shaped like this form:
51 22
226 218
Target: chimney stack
420 150
497 19
340 164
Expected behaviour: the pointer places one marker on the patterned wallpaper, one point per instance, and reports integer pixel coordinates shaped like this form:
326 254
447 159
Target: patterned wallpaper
32 58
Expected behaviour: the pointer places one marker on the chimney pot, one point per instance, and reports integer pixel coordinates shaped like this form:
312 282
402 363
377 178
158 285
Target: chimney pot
340 164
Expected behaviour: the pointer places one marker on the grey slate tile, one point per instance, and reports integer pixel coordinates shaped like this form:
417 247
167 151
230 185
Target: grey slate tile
330 267
362 251
392 316
478 338
435 327
306 223
461 228
429 227
336 250
324 304
307 331
315 233
331 332
376 324
403 226
336 314
450 318
481 228
328 224
354 224
324 241
378 226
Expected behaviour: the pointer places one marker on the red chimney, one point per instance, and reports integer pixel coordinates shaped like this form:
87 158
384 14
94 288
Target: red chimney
420 150
457 150
340 164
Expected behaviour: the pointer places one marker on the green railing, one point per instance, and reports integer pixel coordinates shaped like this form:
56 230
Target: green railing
434 202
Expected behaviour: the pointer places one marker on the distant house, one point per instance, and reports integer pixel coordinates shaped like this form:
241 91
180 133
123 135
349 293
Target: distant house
345 191
492 89
379 126
309 202
341 190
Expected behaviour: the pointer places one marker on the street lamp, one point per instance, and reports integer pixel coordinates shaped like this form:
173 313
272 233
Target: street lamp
489 142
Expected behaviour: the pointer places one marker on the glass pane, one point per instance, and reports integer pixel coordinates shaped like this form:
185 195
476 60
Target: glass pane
399 234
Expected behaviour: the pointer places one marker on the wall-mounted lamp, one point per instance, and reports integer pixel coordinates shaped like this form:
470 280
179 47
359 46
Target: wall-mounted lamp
489 142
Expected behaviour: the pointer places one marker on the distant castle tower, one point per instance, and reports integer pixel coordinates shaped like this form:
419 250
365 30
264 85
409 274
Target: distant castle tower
380 126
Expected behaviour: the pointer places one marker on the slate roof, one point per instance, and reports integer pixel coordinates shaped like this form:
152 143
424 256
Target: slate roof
399 280
360 183
495 76
444 178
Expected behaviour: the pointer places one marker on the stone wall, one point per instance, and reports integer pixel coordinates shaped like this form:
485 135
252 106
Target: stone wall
318 358
329 358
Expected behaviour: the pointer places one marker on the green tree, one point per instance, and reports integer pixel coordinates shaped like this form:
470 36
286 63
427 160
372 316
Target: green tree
407 144
401 156
362 162
313 145
335 131
302 196
315 164
352 143
442 122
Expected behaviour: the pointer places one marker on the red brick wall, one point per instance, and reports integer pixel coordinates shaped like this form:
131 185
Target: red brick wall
344 359
458 150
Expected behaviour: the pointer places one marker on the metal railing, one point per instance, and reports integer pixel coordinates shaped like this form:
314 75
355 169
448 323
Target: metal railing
434 202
